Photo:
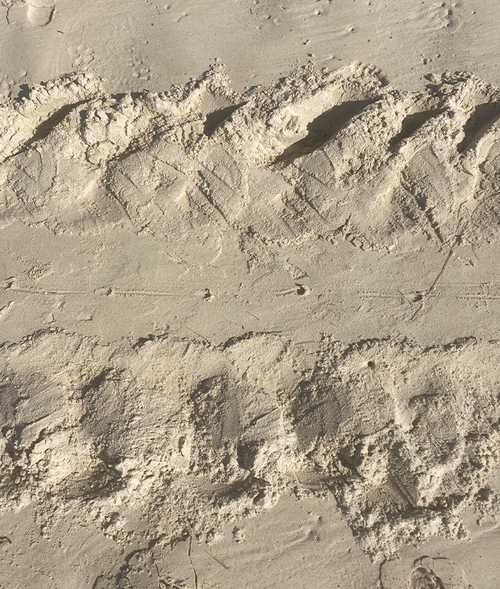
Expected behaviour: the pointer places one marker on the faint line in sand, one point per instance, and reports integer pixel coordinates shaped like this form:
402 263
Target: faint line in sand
103 291
143 293
39 291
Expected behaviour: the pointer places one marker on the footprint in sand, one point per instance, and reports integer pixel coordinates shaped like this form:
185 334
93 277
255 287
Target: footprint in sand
437 573
40 12
422 578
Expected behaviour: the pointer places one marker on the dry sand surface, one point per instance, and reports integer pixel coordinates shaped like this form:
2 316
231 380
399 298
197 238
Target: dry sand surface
249 294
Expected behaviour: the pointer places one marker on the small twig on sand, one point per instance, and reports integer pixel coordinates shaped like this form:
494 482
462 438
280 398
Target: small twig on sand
434 284
217 560
191 561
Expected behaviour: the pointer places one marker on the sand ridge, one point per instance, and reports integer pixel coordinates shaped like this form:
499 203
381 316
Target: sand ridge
318 155
191 435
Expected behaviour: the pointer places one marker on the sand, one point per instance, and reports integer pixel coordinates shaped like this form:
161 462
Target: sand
248 295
